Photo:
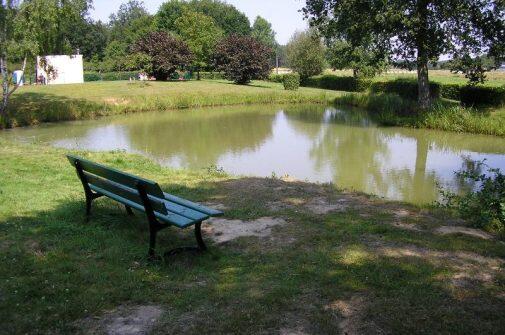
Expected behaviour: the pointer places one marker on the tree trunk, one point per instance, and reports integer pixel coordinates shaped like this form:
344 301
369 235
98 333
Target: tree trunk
355 73
423 83
5 88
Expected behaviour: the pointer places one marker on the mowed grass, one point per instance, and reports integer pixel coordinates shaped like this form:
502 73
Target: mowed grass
493 78
35 104
317 274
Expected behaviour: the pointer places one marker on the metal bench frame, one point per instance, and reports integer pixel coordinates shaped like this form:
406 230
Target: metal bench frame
154 224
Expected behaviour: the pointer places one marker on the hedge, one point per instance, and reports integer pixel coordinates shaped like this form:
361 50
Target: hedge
291 81
276 78
209 75
408 89
482 96
405 88
110 76
332 82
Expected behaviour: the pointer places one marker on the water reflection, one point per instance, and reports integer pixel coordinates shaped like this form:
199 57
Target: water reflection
307 142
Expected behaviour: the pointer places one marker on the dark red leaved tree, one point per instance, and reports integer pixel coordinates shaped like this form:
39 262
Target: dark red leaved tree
242 59
166 54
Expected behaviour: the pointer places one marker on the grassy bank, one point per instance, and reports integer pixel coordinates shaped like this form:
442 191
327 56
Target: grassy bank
446 115
36 104
365 266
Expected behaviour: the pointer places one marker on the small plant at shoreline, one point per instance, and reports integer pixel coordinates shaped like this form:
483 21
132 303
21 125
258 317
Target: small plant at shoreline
484 205
291 81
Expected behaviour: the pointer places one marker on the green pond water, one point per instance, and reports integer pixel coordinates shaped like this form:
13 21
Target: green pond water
307 142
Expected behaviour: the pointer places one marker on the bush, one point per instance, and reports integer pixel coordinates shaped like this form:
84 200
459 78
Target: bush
166 54
210 75
276 78
332 82
306 54
450 91
291 81
110 76
242 58
484 205
482 96
405 88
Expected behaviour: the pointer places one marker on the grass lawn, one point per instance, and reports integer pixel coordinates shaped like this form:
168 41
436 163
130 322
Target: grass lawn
366 265
494 78
35 104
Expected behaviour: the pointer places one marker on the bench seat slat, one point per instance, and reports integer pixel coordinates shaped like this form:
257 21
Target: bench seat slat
192 205
170 218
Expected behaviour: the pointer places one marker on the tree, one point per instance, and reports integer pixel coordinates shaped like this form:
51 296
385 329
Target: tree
91 39
474 68
226 16
305 54
242 58
415 32
201 34
165 54
263 32
364 62
131 22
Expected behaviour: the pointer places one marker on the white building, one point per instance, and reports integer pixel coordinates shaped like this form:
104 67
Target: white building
62 69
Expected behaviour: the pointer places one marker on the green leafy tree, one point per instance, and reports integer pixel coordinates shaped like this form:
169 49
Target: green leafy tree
306 54
201 34
226 16
415 32
263 32
474 68
162 54
242 58
364 62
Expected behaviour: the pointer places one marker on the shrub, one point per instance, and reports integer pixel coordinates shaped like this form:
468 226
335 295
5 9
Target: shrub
405 88
306 54
484 205
291 81
276 78
450 91
210 75
482 96
242 59
167 54
332 82
110 76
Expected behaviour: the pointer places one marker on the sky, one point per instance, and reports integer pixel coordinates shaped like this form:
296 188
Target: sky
283 14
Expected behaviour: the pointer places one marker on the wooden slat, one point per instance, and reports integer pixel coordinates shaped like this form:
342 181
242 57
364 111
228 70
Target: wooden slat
117 176
192 205
124 192
170 218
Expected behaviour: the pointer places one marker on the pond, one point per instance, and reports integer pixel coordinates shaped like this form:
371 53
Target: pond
307 142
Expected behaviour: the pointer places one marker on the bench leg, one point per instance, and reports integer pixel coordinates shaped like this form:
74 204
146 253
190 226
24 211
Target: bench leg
151 254
89 200
198 235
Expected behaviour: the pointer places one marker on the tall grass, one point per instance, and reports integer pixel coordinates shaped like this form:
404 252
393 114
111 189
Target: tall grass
33 105
390 109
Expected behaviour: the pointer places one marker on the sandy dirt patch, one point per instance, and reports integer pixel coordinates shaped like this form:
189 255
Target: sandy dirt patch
445 230
224 230
136 320
350 313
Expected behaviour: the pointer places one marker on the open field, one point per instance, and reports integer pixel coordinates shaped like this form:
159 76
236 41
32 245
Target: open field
36 104
494 78
331 261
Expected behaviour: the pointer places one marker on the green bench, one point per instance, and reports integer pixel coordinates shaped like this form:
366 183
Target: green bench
162 209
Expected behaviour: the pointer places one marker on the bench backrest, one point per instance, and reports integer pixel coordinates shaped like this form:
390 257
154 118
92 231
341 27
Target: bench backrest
120 185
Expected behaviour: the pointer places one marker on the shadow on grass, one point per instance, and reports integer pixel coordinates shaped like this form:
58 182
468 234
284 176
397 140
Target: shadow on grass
62 269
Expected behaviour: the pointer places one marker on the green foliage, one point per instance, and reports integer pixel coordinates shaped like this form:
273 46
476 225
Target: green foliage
263 32
276 78
339 83
291 81
109 76
201 34
364 62
484 204
405 88
166 54
242 59
482 96
306 54
474 68
226 16
210 76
